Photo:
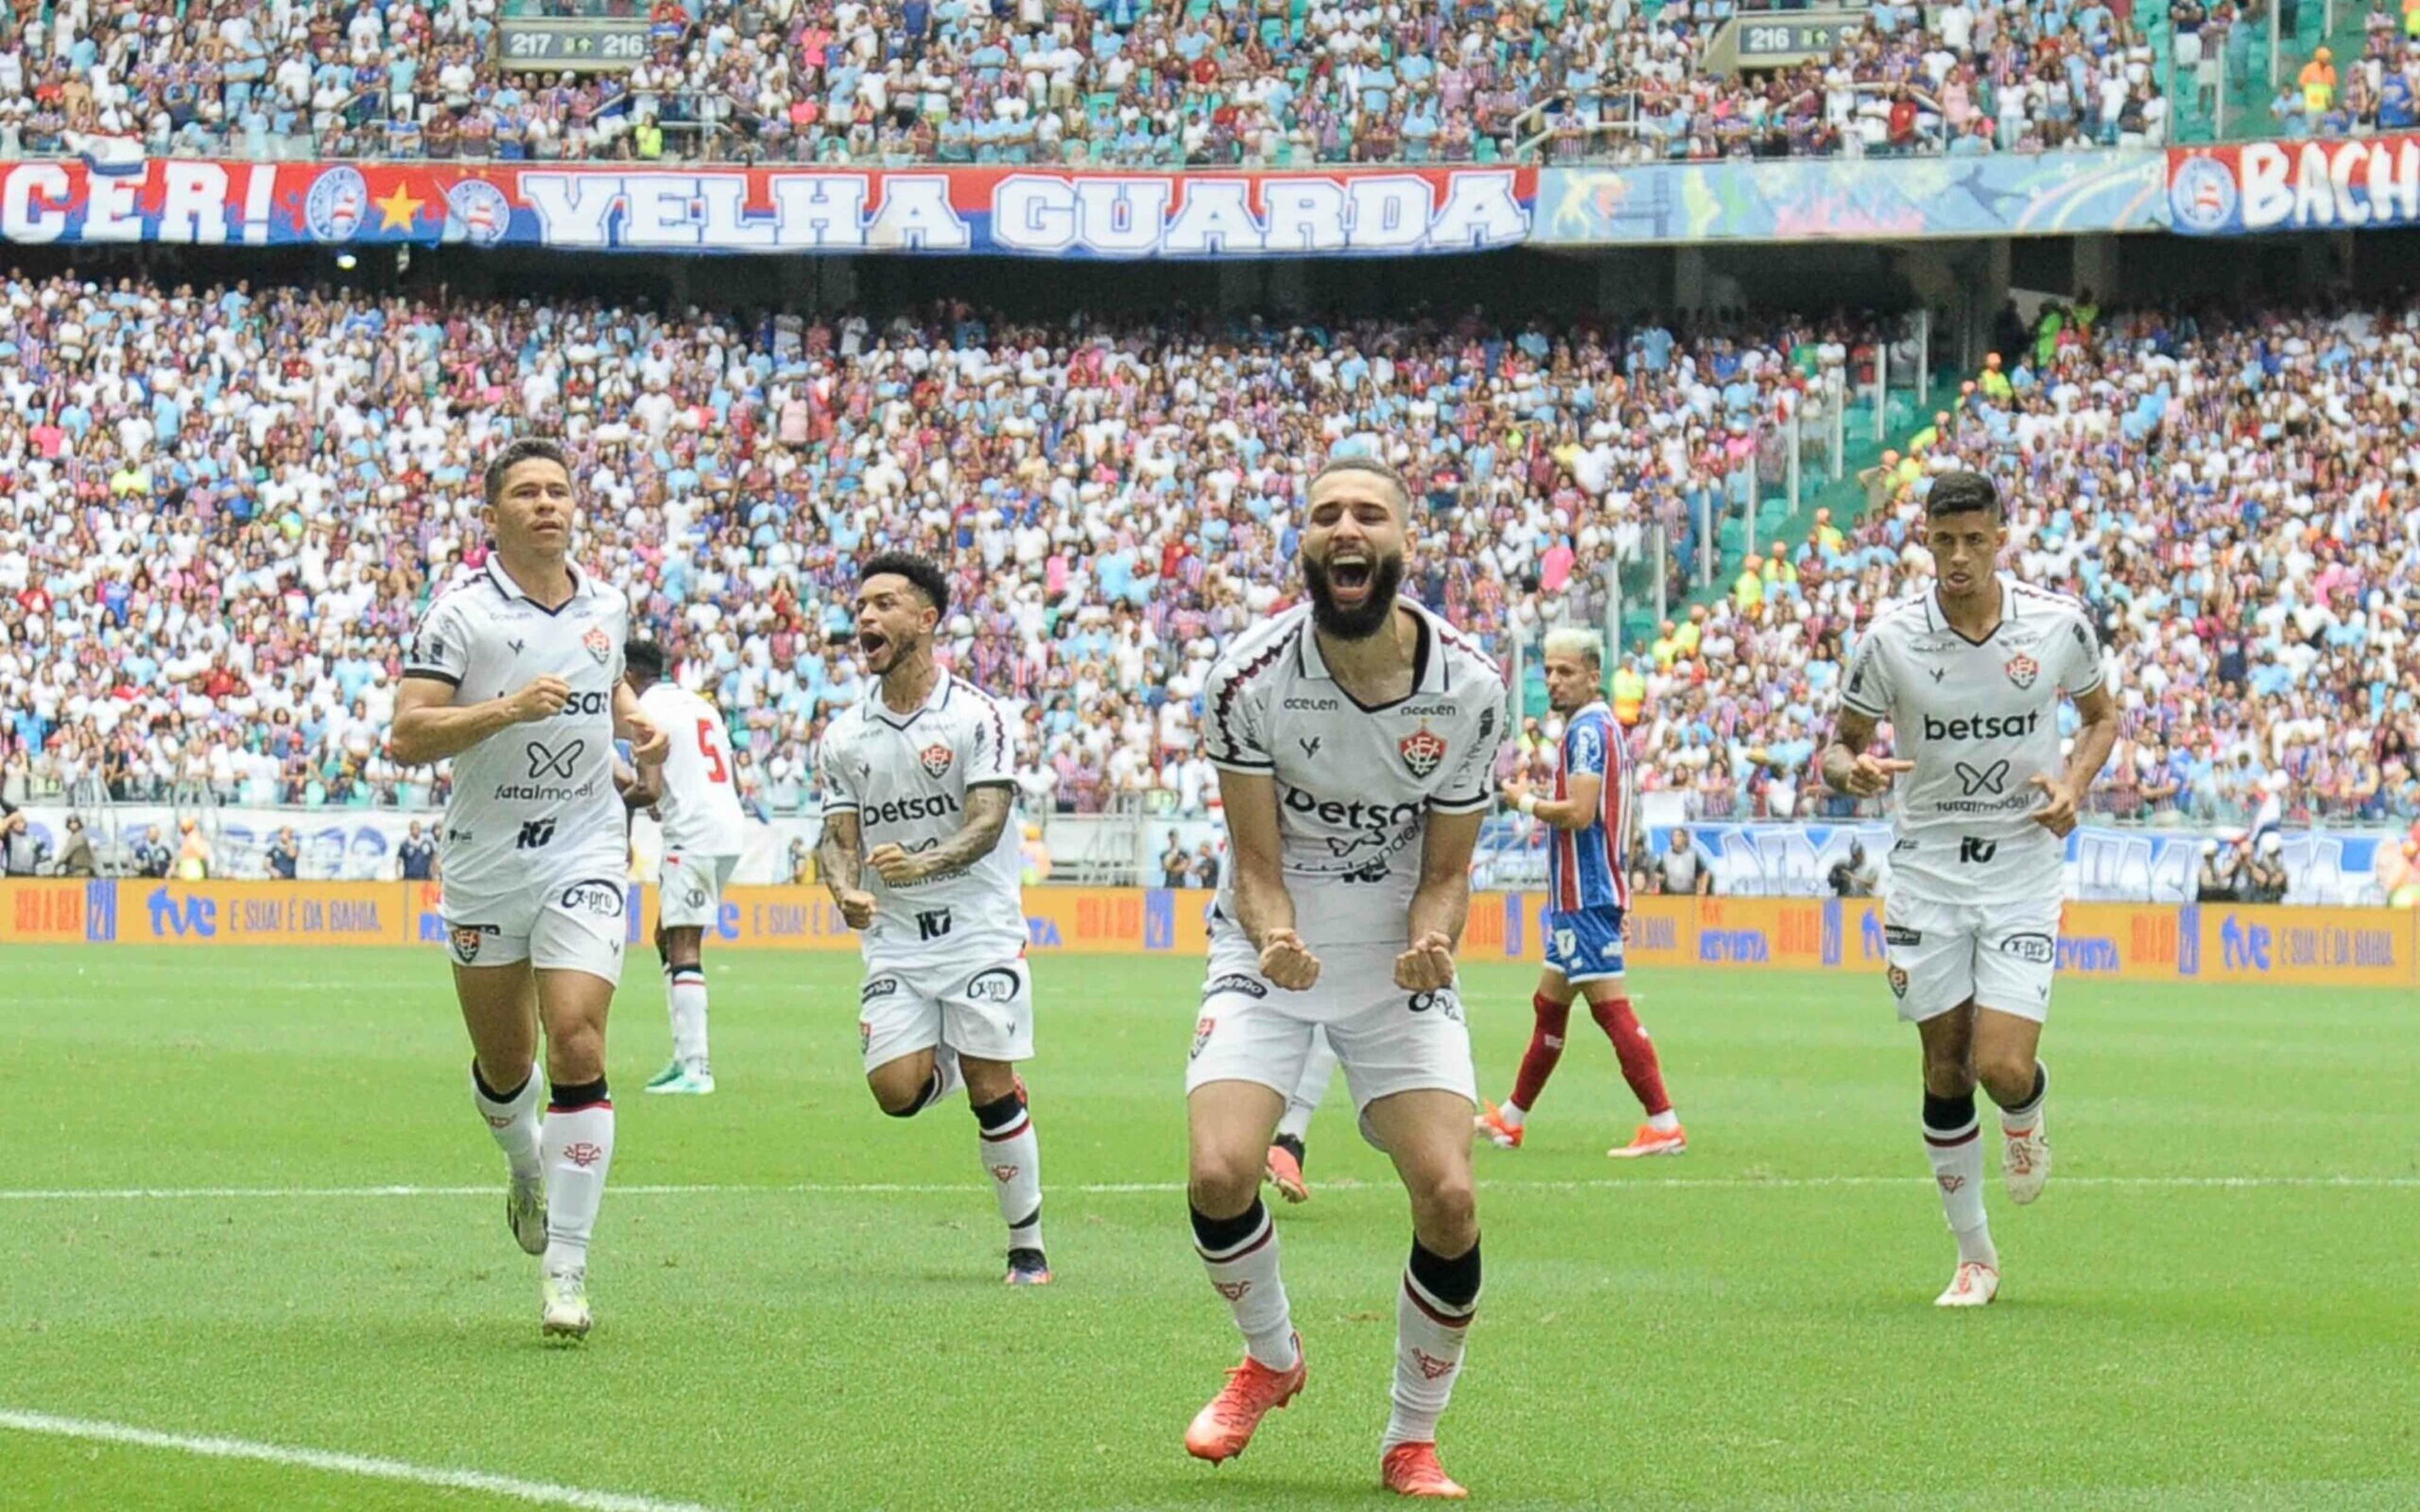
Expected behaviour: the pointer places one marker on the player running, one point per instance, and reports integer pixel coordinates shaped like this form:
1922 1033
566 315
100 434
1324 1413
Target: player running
516 676
1969 676
1588 822
922 771
1354 739
703 834
1289 1152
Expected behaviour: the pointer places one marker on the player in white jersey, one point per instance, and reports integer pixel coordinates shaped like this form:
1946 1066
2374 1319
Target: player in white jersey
919 778
1354 739
517 677
704 831
1970 676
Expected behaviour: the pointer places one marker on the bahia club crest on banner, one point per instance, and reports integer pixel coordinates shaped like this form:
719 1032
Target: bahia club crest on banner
991 210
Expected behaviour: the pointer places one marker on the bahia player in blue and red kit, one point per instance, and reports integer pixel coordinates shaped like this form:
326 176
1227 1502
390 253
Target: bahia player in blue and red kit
1587 824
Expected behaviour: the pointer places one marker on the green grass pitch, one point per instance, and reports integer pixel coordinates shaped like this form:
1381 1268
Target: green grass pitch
2211 1308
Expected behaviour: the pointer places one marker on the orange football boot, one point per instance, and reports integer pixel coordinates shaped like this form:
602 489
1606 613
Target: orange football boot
1222 1428
1412 1469
1652 1141
1500 1134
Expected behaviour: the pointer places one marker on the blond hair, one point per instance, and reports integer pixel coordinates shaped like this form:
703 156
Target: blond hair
1573 642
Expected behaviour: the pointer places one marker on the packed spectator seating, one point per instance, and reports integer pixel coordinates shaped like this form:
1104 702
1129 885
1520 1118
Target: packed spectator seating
2234 500
201 593
223 509
1264 83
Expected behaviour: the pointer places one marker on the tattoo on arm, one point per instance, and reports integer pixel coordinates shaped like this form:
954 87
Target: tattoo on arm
987 817
1851 732
840 857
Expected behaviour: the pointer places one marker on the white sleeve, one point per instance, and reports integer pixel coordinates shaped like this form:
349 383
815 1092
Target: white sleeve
1869 690
1471 787
839 797
1233 719
441 651
989 761
2080 670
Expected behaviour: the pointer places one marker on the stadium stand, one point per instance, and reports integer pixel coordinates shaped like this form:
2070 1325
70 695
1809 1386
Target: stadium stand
2232 498
207 588
1270 83
222 508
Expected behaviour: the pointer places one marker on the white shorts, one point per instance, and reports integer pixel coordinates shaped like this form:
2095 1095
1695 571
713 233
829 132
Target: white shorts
1388 1040
690 894
575 921
2002 954
986 1013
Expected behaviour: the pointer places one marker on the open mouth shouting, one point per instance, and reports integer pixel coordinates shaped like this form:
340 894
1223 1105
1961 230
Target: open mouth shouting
1351 575
876 646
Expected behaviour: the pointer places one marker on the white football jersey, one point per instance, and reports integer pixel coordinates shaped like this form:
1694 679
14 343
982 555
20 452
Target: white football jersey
700 808
535 799
1354 785
1980 719
906 777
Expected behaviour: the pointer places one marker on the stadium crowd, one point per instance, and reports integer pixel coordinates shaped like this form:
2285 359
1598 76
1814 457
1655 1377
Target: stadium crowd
223 509
1122 82
2234 500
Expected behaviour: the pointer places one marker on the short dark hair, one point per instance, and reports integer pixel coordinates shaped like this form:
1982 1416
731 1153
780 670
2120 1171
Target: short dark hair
1363 462
645 658
527 449
921 571
1963 493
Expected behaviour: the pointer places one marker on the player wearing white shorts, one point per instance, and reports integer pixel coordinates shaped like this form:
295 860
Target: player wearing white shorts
705 832
1969 676
922 772
1354 739
516 676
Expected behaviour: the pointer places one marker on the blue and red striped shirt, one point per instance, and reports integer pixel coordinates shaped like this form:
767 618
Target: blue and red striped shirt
1584 866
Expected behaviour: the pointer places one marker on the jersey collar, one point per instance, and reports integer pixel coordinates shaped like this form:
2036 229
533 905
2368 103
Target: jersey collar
1428 659
1935 620
935 699
580 587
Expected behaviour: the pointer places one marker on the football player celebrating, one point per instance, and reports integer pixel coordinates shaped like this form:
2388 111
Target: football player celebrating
922 772
516 676
704 831
1588 820
1969 675
1354 739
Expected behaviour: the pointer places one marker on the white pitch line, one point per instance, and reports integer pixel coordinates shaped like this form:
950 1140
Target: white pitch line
1777 1183
545 1493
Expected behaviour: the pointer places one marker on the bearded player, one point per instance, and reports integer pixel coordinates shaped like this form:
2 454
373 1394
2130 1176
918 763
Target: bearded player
919 854
1587 819
704 831
1969 676
516 677
1354 739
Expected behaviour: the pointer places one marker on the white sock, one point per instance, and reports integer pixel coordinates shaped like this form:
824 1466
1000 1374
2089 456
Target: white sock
689 1018
1955 1145
513 1120
1663 1122
2021 1119
579 1147
1244 1270
1012 1157
1511 1113
1318 1070
952 1077
1429 1336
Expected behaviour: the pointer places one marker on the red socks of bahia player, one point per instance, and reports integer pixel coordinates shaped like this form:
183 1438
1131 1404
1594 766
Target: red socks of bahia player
1631 1045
